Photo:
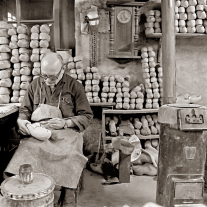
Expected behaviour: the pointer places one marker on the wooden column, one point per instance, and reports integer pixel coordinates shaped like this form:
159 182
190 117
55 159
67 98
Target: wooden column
18 12
67 25
169 96
56 17
168 51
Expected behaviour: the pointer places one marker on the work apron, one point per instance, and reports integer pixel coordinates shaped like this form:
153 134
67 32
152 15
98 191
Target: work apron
61 156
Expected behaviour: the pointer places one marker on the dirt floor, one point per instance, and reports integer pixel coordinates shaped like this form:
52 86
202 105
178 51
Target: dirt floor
140 190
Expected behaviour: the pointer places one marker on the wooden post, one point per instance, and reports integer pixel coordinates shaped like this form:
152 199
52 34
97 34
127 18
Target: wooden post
124 167
18 12
169 96
168 51
56 17
67 25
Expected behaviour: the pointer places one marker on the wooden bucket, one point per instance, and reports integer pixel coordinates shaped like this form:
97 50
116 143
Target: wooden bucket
37 194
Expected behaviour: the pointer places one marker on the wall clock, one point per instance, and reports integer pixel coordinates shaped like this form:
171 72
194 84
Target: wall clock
124 29
124 16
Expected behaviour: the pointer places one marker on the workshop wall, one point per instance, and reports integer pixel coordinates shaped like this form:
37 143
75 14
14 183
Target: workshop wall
105 65
191 67
191 64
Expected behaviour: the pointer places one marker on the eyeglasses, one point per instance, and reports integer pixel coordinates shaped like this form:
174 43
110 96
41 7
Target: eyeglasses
51 77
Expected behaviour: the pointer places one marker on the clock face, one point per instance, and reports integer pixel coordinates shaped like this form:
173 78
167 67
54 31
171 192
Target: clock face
124 16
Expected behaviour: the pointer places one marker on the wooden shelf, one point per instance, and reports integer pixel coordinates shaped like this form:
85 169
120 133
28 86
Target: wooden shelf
115 111
139 136
103 104
91 104
123 57
11 104
143 111
38 21
179 35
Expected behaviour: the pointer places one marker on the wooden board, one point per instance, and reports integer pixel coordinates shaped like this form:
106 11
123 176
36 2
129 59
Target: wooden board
124 167
38 21
143 111
123 57
103 104
191 35
139 136
179 35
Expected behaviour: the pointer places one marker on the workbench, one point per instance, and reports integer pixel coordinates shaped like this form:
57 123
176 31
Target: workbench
9 139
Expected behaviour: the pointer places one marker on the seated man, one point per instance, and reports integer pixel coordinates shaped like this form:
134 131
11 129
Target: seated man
59 103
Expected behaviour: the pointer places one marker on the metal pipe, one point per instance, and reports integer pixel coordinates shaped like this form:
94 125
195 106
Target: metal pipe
168 51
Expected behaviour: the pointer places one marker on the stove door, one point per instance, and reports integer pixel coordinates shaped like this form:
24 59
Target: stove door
184 190
189 190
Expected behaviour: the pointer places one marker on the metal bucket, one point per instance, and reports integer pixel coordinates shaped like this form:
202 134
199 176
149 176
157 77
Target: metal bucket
37 194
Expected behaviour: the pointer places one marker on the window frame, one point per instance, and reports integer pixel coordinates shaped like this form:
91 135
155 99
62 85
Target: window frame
55 20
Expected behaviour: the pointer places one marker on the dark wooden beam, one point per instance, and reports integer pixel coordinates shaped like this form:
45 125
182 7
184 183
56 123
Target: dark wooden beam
124 3
67 25
168 51
56 17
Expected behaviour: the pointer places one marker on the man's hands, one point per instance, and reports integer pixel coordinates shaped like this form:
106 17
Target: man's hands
70 124
56 123
22 126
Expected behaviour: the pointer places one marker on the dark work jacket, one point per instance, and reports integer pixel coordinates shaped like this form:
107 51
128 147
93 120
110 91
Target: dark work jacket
73 100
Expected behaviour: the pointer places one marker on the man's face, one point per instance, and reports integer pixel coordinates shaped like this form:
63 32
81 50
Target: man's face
51 66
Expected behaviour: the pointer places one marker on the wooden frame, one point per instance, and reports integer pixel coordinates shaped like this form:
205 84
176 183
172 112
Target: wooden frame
109 111
113 51
134 8
55 20
118 26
